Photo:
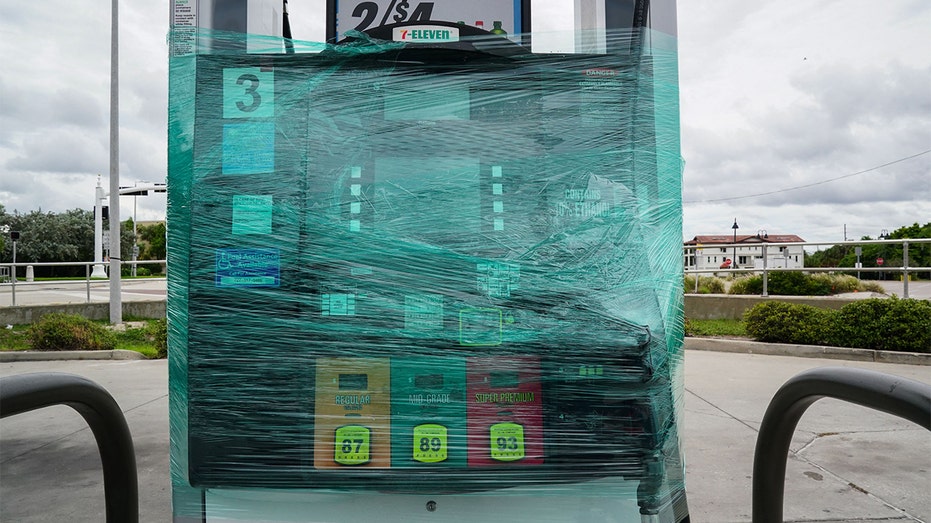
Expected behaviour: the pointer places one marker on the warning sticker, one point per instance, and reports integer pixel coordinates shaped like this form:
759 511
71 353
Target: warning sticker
248 148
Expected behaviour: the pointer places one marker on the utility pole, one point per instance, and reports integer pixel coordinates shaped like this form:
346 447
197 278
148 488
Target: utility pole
116 296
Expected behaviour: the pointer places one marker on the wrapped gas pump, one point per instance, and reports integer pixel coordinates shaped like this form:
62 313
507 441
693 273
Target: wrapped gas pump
424 273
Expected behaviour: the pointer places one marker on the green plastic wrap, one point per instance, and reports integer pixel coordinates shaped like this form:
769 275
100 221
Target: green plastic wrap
425 282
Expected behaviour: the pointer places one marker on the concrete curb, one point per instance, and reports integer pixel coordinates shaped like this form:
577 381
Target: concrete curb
691 343
806 351
28 355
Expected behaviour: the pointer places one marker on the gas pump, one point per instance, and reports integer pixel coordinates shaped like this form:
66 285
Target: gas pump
414 270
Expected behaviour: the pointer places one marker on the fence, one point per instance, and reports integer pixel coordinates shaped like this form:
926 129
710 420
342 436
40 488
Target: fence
9 278
691 253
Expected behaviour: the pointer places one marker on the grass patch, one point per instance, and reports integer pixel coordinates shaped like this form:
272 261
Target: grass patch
143 338
15 338
720 328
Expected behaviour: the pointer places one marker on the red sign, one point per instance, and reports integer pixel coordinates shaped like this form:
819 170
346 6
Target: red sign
879 261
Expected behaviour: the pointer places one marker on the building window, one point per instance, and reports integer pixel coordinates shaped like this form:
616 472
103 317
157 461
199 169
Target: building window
723 249
742 260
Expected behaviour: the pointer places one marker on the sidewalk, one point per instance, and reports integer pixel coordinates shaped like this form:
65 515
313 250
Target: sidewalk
77 291
850 464
57 292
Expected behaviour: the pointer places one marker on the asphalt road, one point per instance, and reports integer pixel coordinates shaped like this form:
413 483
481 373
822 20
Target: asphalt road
848 463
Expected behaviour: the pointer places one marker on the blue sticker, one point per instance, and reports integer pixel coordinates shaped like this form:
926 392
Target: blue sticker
248 268
248 148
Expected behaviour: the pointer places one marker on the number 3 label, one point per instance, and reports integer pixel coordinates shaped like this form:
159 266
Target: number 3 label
248 92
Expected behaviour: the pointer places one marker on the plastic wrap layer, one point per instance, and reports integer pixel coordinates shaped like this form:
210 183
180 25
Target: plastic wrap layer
413 274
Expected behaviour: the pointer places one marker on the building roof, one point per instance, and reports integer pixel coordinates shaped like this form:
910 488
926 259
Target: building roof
712 239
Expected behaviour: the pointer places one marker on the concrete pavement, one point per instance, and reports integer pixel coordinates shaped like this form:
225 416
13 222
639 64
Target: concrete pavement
79 291
849 464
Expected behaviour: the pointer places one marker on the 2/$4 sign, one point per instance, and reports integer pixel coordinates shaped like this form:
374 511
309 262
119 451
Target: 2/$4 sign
425 34
362 15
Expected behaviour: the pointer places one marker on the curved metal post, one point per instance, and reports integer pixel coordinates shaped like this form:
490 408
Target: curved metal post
902 397
27 392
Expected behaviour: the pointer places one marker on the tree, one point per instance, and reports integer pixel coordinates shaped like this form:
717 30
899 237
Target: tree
51 237
154 236
919 255
56 237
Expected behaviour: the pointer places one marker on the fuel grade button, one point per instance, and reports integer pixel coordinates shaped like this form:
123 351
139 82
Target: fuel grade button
352 445
507 441
430 443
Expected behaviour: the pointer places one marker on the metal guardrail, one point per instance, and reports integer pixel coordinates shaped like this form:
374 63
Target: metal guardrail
905 271
9 269
895 395
27 392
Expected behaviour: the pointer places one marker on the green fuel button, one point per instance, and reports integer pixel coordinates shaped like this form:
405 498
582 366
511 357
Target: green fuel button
430 443
507 441
352 445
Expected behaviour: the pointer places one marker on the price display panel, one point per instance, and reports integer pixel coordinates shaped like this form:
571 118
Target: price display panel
353 401
428 412
505 402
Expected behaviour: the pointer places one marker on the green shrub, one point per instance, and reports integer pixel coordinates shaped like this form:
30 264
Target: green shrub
783 283
69 332
871 286
837 283
879 323
740 285
797 284
884 324
781 322
706 285
158 332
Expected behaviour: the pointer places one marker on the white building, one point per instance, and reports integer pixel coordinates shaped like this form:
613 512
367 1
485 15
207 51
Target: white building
718 251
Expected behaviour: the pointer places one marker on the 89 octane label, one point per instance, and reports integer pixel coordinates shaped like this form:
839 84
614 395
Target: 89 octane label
430 443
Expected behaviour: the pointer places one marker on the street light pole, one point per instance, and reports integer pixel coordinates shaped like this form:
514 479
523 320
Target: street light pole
116 305
735 227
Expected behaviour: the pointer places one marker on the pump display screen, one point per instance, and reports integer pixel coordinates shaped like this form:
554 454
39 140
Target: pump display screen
407 193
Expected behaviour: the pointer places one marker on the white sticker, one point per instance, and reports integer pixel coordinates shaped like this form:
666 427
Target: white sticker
252 214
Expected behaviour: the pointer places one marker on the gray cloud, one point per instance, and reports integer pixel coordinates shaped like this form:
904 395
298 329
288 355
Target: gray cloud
774 95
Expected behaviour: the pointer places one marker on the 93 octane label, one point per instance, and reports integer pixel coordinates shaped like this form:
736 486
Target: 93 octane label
430 443
507 441
353 445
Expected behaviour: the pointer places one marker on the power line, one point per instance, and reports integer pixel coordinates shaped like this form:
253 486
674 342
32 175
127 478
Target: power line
809 184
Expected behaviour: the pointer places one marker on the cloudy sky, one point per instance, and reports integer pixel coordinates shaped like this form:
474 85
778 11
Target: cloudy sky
798 117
